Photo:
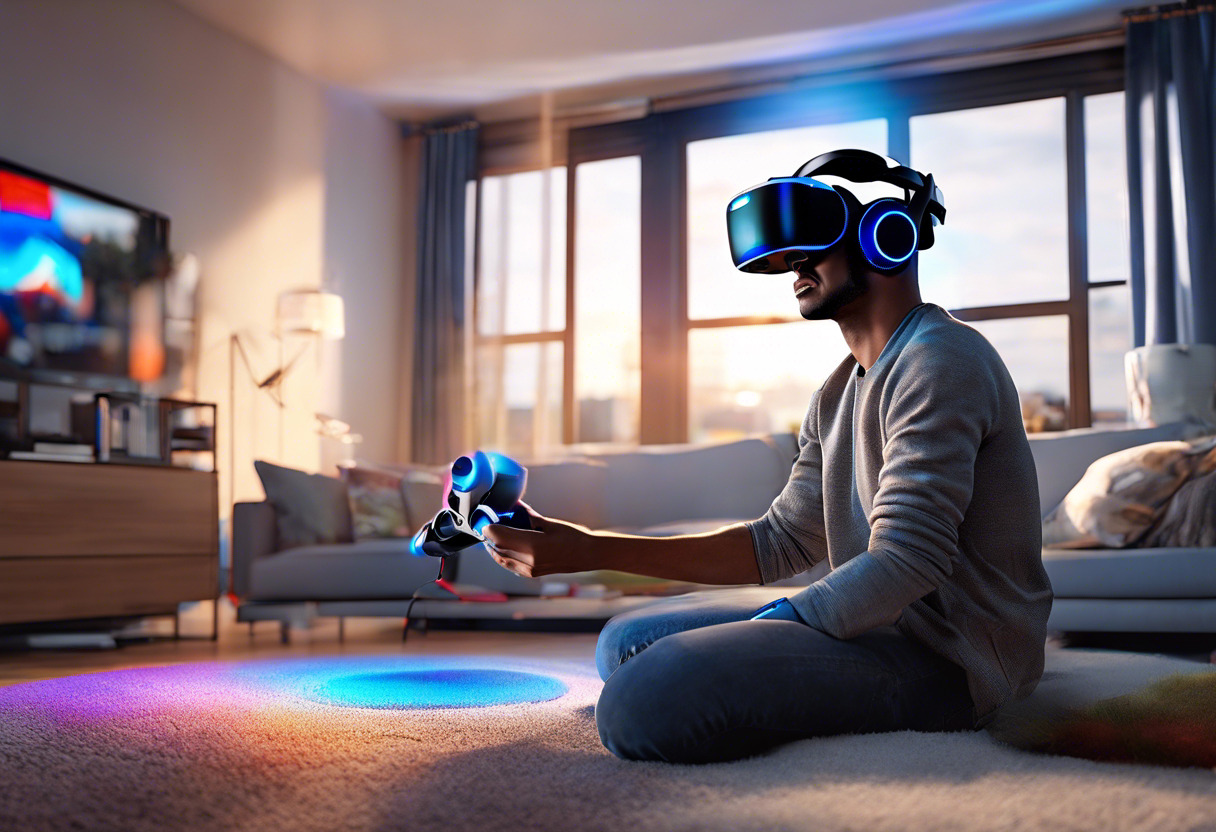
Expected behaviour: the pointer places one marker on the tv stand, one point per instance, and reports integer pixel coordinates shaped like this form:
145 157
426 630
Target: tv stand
105 541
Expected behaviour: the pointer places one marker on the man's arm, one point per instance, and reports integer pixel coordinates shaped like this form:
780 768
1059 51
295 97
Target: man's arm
939 413
723 556
788 539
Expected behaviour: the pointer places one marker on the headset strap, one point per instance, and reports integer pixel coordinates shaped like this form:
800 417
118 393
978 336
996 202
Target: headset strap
865 166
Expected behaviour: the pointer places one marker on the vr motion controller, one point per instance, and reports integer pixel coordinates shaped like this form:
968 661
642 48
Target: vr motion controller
485 488
793 218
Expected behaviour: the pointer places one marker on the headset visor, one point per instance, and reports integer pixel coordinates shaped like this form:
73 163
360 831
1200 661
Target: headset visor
780 216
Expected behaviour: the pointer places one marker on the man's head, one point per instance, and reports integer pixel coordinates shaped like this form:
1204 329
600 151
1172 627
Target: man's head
840 285
843 248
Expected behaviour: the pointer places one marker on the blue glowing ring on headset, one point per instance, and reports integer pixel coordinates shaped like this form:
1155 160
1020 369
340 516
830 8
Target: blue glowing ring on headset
416 543
468 473
867 234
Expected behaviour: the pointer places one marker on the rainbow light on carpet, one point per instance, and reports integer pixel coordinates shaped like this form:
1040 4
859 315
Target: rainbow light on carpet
308 684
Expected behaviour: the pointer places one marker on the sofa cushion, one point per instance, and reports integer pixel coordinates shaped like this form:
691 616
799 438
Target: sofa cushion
1123 494
1131 573
570 489
656 484
1061 458
368 569
309 508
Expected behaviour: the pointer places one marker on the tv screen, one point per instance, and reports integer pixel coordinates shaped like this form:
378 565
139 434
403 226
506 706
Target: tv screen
80 277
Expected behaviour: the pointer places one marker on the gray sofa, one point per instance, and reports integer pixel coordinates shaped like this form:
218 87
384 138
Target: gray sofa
685 489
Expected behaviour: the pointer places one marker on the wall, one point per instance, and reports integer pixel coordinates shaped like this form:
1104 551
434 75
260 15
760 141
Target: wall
272 180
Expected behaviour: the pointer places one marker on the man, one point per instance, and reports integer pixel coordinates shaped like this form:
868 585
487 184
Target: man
914 479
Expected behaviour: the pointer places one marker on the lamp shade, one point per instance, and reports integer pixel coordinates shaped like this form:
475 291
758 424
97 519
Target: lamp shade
312 311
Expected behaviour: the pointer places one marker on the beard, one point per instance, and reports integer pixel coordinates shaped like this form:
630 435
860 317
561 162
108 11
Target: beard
857 284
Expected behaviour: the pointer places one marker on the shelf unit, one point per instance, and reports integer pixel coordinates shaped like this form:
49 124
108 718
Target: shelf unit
130 534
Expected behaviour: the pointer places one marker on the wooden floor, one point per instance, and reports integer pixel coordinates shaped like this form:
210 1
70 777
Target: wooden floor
153 644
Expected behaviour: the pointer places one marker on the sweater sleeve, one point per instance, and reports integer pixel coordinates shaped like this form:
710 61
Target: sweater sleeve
937 412
791 537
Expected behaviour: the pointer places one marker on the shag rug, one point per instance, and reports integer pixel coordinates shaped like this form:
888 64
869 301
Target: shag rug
358 743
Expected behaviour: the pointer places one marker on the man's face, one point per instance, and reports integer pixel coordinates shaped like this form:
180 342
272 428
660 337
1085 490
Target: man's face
830 285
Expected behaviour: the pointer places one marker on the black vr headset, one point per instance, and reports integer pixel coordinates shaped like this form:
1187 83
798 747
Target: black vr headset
793 218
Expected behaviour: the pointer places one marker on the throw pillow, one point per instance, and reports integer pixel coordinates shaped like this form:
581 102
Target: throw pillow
309 508
1171 722
1190 517
1123 495
422 490
376 504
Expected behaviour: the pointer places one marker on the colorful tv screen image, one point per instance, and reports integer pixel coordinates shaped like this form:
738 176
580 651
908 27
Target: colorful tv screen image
71 270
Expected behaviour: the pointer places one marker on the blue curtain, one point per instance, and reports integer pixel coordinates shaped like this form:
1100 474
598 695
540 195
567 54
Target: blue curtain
449 161
1171 153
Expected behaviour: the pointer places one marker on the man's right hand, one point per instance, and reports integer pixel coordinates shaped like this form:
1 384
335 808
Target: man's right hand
552 546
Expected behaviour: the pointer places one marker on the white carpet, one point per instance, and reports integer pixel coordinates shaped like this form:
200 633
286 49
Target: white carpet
247 746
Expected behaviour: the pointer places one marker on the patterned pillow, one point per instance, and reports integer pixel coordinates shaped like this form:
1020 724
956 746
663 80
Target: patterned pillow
1124 495
375 501
422 490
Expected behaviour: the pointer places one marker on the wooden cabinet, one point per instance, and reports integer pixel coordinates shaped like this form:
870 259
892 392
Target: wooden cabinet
82 540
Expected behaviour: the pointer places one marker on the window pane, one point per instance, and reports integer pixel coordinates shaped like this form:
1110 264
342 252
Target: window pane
509 292
1110 338
509 383
1106 188
1036 352
1002 173
719 169
757 379
608 300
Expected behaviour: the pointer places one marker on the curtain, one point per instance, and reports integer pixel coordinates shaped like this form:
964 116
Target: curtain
438 403
1171 151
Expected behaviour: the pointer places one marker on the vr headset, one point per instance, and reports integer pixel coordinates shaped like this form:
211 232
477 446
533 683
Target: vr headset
793 218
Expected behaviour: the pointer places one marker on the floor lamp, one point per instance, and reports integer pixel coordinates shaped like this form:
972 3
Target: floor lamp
307 312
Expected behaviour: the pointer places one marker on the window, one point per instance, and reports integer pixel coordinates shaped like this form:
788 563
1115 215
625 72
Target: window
1029 156
1035 350
758 378
1001 170
607 299
520 313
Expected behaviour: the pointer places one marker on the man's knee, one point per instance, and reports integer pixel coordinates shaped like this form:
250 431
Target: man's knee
639 713
623 637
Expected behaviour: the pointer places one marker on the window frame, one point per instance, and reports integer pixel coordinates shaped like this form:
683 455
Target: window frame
661 140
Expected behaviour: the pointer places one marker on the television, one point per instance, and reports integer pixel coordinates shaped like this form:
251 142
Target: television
81 276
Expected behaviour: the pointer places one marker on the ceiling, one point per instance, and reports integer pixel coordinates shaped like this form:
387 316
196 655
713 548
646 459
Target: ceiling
420 60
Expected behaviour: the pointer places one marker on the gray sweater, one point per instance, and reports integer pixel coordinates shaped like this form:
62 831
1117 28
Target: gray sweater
915 480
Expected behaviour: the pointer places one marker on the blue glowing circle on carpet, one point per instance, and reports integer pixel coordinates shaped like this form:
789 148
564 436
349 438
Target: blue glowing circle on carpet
439 688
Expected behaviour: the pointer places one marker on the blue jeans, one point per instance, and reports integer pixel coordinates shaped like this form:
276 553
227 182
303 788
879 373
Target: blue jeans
691 680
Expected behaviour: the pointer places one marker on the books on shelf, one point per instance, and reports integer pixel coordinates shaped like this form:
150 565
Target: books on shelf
64 448
35 456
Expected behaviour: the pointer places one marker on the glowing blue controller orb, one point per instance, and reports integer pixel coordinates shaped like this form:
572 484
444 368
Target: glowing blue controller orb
486 488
